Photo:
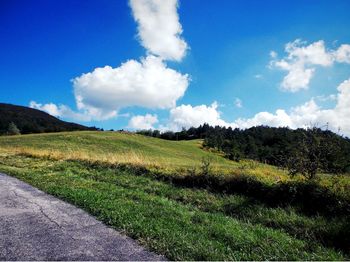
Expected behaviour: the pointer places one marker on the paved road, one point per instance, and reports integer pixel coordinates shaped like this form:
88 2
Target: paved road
36 226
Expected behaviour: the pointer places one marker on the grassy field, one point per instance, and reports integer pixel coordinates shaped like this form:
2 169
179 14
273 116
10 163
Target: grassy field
115 147
150 189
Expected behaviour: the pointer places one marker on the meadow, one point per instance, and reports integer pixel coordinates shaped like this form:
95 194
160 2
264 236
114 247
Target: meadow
164 195
116 147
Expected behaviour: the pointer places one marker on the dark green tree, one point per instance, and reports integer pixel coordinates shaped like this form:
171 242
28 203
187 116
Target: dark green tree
302 151
315 152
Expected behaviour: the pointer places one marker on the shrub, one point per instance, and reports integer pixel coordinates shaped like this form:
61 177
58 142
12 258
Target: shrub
206 166
13 129
314 152
308 197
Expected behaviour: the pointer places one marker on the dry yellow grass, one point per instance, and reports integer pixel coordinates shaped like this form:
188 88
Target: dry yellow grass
132 158
118 148
248 167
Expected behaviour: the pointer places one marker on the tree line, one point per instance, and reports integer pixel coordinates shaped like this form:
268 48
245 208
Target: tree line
303 151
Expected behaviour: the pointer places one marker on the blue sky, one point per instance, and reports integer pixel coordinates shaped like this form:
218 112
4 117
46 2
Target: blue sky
219 69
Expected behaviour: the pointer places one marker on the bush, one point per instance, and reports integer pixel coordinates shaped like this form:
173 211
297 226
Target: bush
316 152
206 166
307 196
13 129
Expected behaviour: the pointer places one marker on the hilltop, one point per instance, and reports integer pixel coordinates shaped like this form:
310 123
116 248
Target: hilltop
29 120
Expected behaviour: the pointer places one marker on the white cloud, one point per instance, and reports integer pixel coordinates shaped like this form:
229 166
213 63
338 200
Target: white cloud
148 83
159 28
313 54
258 76
342 55
273 54
302 59
308 114
65 111
305 115
238 103
324 98
193 116
187 116
50 108
265 118
298 78
143 122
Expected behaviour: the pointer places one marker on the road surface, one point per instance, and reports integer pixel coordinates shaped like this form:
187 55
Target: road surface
37 226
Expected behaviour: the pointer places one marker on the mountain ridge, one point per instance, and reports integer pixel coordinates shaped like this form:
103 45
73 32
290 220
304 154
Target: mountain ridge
30 120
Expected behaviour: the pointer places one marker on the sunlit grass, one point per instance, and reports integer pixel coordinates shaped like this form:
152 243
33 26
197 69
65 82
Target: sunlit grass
127 181
152 153
128 148
181 223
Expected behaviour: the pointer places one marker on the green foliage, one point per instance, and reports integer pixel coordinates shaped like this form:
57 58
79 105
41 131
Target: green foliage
231 151
281 147
206 166
315 151
13 130
187 198
182 223
308 197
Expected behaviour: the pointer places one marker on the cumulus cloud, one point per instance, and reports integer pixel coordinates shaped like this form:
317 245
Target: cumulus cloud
148 84
308 114
305 115
143 122
193 116
342 55
159 28
62 111
280 118
302 59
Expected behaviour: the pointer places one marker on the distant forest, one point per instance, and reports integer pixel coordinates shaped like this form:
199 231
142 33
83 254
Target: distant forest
275 146
28 120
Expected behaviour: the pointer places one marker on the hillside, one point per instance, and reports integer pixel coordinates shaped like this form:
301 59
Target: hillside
119 147
29 120
160 193
155 154
272 145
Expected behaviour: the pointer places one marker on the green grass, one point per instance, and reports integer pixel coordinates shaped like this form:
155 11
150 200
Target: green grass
128 148
167 156
169 153
143 186
183 224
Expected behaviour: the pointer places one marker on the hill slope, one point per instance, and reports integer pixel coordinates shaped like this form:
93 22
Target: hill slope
118 147
252 212
134 149
273 145
30 120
